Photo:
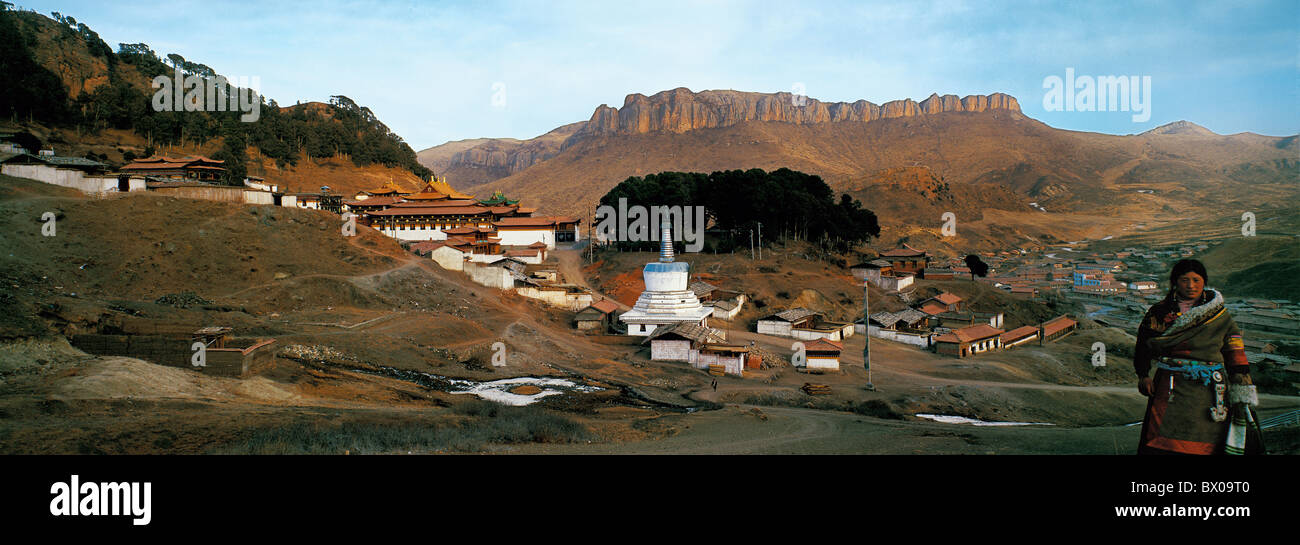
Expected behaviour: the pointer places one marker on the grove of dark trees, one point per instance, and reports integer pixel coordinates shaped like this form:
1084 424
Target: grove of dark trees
788 203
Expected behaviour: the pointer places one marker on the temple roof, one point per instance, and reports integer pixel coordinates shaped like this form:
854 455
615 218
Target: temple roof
389 188
440 185
160 162
498 198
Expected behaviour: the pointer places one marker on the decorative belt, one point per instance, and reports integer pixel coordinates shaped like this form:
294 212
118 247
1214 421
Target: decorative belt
1204 371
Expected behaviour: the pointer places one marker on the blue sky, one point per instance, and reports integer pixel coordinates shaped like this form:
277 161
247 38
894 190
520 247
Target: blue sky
431 70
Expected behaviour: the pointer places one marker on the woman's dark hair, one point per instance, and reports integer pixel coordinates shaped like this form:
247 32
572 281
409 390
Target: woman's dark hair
1185 266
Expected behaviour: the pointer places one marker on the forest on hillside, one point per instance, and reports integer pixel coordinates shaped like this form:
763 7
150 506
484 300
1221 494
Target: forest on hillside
32 92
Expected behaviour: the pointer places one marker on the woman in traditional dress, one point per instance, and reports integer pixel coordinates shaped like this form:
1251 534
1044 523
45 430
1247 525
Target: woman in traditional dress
1199 400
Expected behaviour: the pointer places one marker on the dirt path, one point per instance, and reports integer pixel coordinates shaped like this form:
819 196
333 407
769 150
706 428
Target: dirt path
408 264
570 263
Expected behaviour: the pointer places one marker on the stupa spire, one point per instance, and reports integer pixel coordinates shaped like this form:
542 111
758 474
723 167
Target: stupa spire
665 242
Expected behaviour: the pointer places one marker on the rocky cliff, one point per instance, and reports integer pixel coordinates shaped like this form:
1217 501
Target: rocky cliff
503 156
681 110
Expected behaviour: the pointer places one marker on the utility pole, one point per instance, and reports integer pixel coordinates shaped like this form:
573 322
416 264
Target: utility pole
866 332
760 241
751 244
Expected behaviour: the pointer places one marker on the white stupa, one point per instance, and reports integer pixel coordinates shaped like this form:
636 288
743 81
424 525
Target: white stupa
666 299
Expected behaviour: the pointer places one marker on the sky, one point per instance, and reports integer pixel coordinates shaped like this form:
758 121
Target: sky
441 71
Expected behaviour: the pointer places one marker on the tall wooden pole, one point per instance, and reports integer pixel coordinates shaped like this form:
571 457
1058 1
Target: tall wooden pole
866 331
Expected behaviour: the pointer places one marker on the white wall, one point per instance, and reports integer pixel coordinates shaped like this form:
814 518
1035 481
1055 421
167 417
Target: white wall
809 334
524 237
732 365
780 328
557 297
1030 338
819 362
641 330
487 275
534 260
258 197
901 337
725 315
670 350
65 177
449 258
421 233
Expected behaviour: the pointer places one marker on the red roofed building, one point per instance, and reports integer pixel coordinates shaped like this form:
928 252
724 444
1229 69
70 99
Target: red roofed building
948 300
933 308
1058 327
822 355
907 259
1019 335
437 212
968 341
596 317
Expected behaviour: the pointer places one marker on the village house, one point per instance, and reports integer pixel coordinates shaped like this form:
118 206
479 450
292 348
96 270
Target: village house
196 168
951 303
1019 336
1144 286
723 359
909 326
801 323
596 317
907 259
968 341
822 355
703 290
1055 329
700 346
1024 292
881 273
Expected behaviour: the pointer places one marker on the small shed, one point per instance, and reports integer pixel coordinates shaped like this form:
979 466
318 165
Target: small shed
596 317
822 355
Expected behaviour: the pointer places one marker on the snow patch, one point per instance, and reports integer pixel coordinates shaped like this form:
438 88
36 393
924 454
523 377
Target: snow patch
950 419
497 389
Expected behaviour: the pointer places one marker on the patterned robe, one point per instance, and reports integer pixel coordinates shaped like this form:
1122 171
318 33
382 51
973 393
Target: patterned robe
1205 345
